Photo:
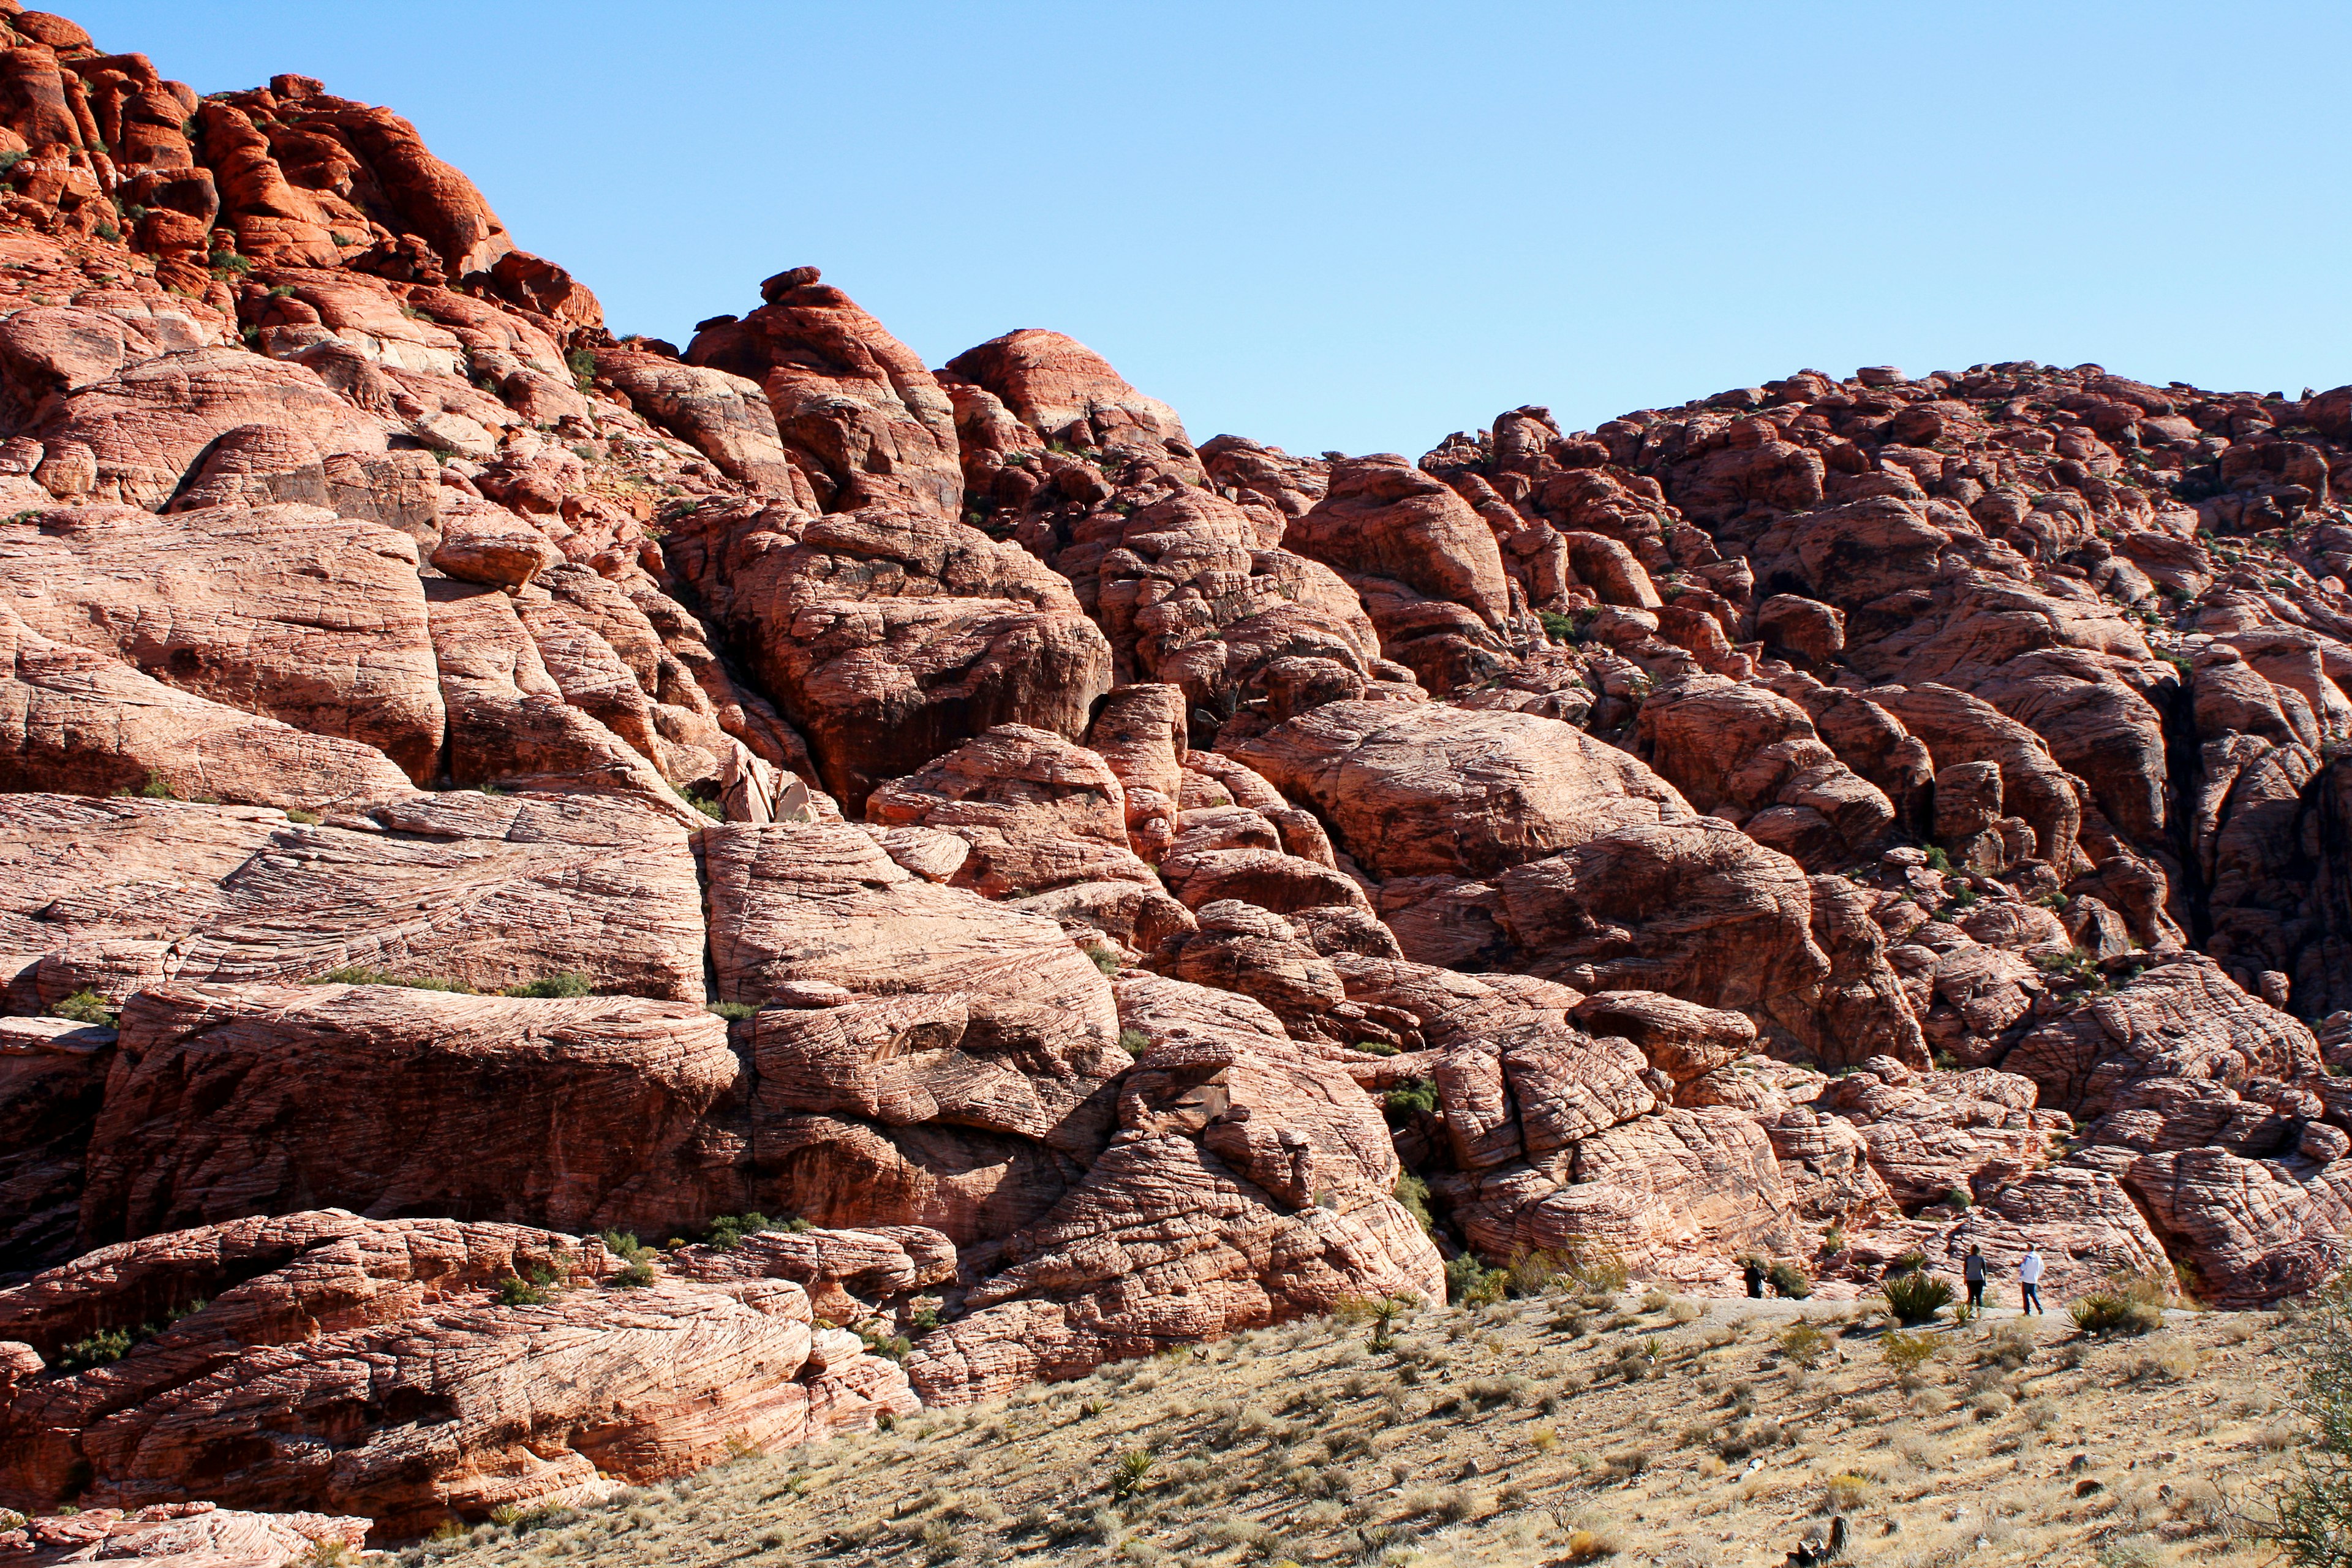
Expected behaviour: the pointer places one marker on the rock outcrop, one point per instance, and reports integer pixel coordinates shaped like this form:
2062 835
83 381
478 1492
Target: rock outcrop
284 1335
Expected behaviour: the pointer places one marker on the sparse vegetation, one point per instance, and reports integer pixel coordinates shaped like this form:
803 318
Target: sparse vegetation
1907 1353
2127 1304
539 1286
360 974
636 1269
86 1006
1289 1444
1419 1095
733 1012
554 985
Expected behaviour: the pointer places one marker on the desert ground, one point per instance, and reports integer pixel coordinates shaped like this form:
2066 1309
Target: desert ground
1642 1430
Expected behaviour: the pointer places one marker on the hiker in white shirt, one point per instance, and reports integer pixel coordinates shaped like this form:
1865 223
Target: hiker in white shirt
2029 1279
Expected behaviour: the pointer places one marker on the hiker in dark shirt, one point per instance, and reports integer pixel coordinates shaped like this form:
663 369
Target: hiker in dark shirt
1972 1270
1756 1279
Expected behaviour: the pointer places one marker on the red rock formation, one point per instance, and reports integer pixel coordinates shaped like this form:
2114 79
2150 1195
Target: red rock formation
2009 700
311 1321
180 1535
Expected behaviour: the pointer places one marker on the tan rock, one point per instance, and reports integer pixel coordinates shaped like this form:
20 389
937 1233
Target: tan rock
1423 789
117 895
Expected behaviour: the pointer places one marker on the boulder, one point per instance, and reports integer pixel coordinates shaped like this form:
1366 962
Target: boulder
374 1367
72 719
487 892
287 611
584 1115
1038 812
1250 1182
1421 789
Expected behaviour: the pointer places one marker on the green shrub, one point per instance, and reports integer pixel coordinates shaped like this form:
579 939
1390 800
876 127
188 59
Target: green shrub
1532 1272
1915 1297
2115 1312
581 363
106 1345
1134 1042
154 788
86 1006
728 1231
636 1269
228 264
307 819
514 1290
1594 1268
554 985
108 232
1803 1343
1104 958
2308 1511
733 1012
1557 627
704 799
1418 1095
1471 1283
1789 1280
360 974
1373 1048
1907 1353
1938 862
1412 1196
1129 1470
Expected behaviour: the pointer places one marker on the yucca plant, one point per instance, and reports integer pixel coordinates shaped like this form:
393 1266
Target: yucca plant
1915 1297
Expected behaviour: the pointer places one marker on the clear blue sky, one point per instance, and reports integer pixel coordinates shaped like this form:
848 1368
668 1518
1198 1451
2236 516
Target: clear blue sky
1362 225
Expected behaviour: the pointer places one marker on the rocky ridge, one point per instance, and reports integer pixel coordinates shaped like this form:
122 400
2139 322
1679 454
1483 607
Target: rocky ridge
1106 892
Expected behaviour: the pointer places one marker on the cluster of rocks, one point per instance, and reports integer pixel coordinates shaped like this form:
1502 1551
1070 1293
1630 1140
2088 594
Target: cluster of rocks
1075 876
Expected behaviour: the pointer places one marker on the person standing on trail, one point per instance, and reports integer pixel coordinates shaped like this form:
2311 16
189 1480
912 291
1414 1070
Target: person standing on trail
1972 1270
1756 1279
2029 1280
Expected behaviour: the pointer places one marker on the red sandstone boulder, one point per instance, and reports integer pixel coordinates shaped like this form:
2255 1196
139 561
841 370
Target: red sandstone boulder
584 1114
72 719
118 895
387 1340
1752 757
1693 908
1411 546
1422 789
287 611
1063 390
52 1080
182 1535
1249 1183
1038 812
859 416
